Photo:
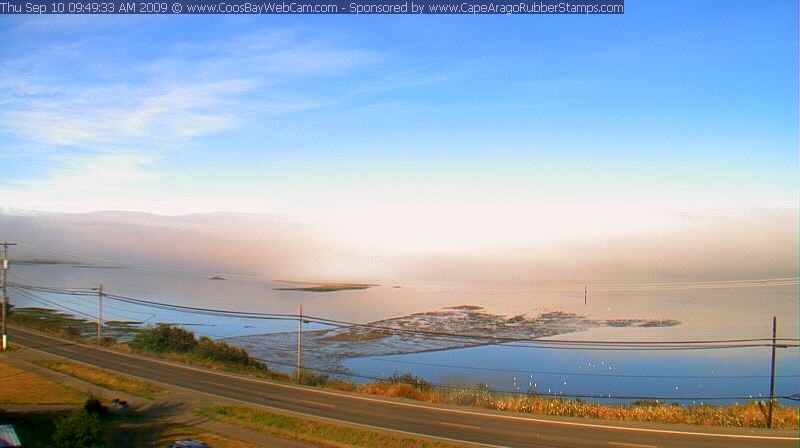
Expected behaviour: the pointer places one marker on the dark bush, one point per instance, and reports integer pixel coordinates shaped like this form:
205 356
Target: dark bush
93 406
407 378
164 338
309 378
220 351
79 429
168 339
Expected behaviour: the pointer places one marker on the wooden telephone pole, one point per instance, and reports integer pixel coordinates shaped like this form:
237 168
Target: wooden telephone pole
99 314
4 280
299 344
772 373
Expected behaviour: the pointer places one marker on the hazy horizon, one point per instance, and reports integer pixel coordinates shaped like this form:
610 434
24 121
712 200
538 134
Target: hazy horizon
410 148
729 247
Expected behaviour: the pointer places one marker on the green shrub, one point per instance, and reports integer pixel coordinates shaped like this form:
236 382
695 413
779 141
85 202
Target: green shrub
310 378
220 351
164 338
79 429
407 378
93 406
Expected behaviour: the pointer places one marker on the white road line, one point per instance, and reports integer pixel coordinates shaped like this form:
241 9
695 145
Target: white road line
458 425
432 408
630 445
318 403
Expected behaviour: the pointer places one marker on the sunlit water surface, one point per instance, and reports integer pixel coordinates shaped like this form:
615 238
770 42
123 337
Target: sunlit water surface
704 313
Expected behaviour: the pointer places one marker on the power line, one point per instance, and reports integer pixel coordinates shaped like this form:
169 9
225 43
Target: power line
31 296
523 371
509 341
34 297
74 291
545 372
513 392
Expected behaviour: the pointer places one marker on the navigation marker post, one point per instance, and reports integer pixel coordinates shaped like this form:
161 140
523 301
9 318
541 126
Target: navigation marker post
585 294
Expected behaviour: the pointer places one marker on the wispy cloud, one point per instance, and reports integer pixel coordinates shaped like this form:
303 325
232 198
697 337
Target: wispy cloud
94 179
116 115
100 125
185 92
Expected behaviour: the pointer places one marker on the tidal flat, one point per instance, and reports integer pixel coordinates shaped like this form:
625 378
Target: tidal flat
444 329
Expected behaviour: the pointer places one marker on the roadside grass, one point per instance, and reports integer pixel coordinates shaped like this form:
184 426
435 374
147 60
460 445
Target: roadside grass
320 433
188 358
24 387
406 386
104 378
737 415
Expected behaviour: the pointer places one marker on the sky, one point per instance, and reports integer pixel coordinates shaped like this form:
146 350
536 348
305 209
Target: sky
428 134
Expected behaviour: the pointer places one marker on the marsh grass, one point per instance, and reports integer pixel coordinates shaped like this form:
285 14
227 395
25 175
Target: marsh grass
51 321
24 387
104 378
350 336
69 327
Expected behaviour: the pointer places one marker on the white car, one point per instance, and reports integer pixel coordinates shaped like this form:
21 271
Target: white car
188 444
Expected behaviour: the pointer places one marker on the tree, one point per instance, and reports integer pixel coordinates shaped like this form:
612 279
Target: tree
164 338
79 429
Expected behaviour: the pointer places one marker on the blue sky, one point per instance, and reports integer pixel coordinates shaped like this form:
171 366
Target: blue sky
413 124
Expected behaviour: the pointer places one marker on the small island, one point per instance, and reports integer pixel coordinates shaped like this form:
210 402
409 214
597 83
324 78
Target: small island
322 287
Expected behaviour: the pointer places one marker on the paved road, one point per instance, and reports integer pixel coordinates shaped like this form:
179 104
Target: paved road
458 424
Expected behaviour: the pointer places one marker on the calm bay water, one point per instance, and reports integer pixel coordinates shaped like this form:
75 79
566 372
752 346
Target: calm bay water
705 312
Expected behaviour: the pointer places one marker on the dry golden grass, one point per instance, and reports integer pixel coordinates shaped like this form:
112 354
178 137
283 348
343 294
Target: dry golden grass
738 415
170 435
104 379
319 433
23 387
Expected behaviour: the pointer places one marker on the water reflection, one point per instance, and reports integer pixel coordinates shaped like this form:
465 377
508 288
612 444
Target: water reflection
704 313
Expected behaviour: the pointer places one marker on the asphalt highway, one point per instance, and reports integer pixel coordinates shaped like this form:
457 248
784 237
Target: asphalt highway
458 424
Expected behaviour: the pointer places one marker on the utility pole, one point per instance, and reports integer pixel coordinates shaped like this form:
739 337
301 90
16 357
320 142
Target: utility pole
299 343
5 291
772 373
99 314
